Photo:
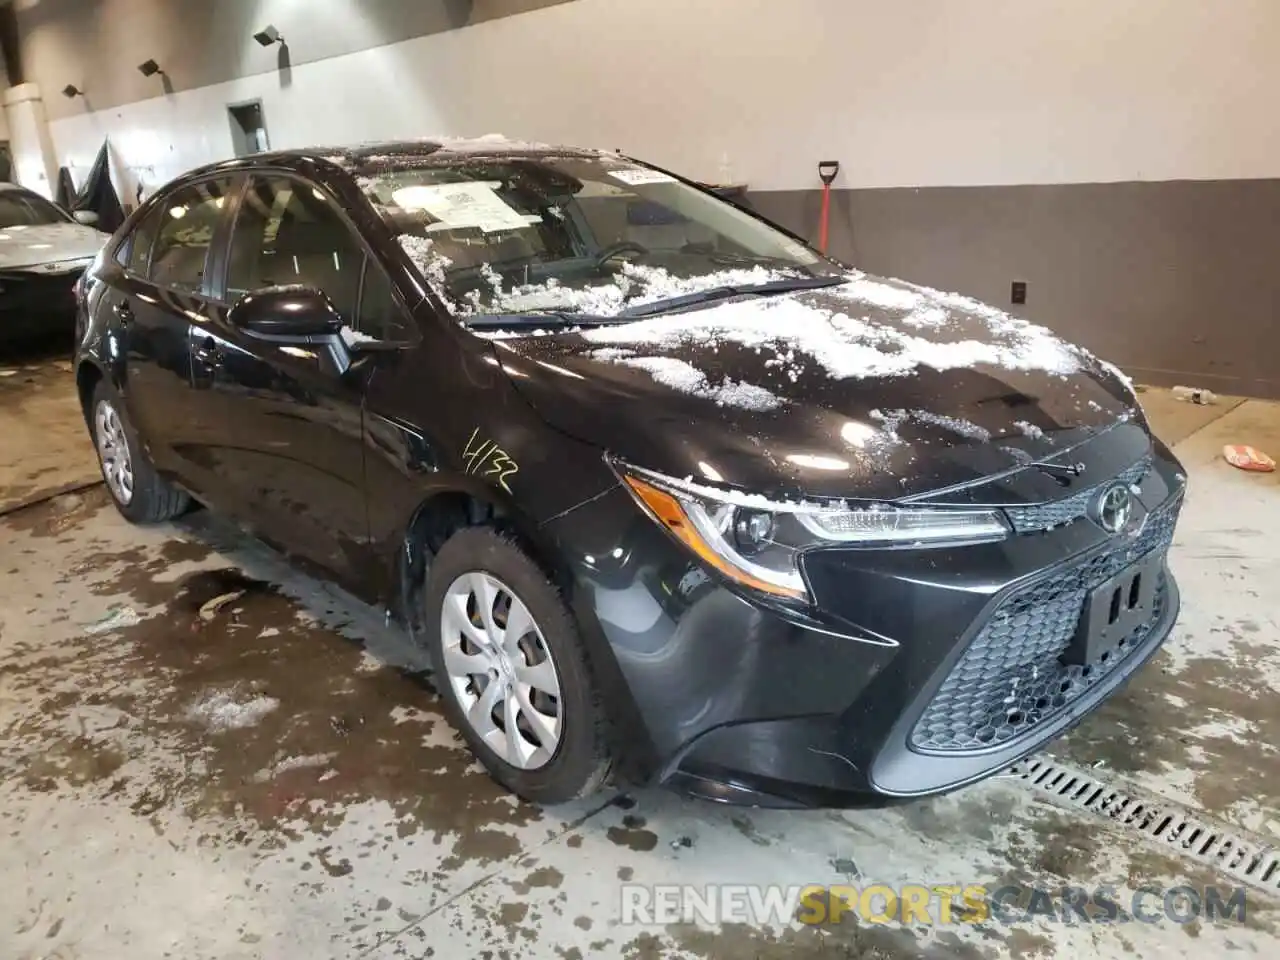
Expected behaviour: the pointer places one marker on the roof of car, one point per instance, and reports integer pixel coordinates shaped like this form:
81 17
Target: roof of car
362 157
369 159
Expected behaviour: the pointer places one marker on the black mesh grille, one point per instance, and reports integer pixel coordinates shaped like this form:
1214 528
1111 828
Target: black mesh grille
1011 678
1049 515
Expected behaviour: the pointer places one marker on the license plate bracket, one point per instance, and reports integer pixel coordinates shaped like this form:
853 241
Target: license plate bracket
1114 610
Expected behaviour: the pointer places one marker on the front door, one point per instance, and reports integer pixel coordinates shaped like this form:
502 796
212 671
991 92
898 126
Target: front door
283 422
163 286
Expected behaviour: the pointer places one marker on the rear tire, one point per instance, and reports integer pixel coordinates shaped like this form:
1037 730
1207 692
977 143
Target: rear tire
535 674
139 493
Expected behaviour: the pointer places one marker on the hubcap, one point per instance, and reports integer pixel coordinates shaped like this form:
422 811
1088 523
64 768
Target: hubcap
500 668
113 452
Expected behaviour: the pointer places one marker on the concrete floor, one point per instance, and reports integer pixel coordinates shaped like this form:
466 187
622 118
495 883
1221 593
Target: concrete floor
44 448
273 779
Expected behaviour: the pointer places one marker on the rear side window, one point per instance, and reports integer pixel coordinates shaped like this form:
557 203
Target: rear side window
184 226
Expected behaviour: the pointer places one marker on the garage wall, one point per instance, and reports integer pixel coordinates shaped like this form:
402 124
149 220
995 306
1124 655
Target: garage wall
1117 155
932 92
97 44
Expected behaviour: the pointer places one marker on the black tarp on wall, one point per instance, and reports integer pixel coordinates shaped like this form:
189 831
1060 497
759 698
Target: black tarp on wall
98 194
66 194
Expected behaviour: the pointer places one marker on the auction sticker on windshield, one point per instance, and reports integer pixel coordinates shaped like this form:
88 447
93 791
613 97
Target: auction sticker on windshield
461 205
639 176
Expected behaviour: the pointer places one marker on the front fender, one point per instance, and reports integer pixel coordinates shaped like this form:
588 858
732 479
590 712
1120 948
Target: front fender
472 439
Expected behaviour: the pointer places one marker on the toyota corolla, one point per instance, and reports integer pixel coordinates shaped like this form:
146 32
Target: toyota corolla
665 494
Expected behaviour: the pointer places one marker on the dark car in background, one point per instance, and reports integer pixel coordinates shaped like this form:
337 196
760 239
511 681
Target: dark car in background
663 492
43 252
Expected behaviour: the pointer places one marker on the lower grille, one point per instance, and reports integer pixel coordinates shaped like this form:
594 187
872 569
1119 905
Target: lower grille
1011 678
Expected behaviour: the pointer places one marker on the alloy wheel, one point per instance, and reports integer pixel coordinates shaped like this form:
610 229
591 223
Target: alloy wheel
113 452
501 671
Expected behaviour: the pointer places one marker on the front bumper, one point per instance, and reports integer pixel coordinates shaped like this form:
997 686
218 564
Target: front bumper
918 671
35 305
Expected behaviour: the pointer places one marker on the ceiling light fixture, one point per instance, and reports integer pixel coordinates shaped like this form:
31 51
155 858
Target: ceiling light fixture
149 69
71 91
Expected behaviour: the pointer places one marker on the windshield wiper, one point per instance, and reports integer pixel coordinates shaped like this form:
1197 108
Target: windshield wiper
552 319
727 292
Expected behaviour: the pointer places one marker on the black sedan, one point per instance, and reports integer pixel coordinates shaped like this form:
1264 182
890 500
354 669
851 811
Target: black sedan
665 494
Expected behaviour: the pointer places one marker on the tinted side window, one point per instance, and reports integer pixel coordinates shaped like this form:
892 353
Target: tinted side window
287 232
185 225
380 315
137 247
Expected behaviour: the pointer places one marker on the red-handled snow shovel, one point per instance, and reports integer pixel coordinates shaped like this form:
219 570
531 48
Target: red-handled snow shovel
828 170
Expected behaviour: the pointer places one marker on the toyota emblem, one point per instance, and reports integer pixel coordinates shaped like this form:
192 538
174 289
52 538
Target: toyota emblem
1114 508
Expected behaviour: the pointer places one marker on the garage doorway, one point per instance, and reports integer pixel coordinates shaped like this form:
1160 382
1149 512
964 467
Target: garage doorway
248 128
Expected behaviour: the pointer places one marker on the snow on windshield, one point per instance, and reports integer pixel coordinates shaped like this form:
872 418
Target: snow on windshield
634 285
430 262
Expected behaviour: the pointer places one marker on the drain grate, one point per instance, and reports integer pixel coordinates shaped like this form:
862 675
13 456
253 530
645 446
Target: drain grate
1248 859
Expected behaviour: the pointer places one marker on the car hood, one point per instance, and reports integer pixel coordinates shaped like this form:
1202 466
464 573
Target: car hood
872 389
47 244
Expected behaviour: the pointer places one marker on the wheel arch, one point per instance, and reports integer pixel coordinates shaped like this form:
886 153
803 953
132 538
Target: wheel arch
443 511
92 370
88 376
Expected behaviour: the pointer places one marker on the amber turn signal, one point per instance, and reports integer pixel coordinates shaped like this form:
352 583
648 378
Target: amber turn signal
668 511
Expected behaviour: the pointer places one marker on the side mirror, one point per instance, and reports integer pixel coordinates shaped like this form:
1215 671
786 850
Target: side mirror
87 217
286 313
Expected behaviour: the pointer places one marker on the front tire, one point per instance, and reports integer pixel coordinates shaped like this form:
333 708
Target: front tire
139 493
512 671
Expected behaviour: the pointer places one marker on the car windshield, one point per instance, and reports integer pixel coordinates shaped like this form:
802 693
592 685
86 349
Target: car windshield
18 208
590 236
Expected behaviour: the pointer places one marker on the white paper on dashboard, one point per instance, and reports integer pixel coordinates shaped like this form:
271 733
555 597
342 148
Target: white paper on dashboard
461 205
640 176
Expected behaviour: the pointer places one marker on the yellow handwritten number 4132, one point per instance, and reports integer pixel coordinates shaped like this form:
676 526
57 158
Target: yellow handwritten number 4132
479 454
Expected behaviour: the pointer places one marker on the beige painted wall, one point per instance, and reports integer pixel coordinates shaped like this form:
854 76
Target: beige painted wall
925 93
1162 110
97 44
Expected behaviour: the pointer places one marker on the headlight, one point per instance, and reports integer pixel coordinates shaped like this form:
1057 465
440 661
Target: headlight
758 542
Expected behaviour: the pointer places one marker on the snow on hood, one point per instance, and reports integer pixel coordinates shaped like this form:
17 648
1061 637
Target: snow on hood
684 377
866 386
916 328
28 246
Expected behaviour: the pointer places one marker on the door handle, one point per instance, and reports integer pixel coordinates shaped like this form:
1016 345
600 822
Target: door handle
124 312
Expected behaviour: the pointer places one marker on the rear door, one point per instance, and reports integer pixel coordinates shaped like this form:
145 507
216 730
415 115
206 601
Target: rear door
287 418
163 287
